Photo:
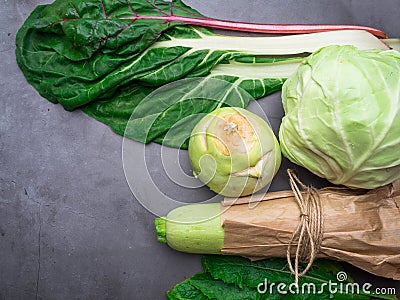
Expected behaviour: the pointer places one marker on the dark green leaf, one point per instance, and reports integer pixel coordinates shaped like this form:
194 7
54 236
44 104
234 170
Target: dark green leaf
186 291
232 277
217 289
75 52
173 110
244 272
116 111
99 56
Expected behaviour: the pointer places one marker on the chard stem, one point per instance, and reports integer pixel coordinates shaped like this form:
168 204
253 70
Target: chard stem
278 45
264 28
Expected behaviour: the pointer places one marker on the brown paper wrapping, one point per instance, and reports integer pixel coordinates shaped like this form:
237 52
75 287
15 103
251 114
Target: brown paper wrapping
360 227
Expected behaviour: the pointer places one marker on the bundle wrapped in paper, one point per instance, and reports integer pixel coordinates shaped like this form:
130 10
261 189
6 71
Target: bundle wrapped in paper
356 226
361 228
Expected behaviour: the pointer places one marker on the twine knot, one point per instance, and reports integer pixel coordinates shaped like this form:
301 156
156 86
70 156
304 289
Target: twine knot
307 237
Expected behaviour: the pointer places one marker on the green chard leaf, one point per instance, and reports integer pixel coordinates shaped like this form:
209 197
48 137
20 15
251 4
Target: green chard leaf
242 271
106 56
186 101
217 289
116 111
203 286
232 277
186 291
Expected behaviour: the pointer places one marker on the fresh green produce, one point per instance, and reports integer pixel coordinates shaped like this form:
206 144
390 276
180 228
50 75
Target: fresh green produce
192 228
232 277
234 152
342 116
106 56
169 114
360 227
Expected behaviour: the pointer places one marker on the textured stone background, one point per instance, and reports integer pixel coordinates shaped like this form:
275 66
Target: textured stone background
69 225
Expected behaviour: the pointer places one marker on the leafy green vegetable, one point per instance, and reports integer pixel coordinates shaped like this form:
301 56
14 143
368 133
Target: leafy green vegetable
204 286
152 113
186 291
106 56
232 277
217 289
186 100
342 117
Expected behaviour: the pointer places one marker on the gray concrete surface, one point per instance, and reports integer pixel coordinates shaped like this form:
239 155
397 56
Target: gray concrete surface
70 227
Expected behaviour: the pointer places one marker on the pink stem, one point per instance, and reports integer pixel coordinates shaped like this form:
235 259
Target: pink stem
265 28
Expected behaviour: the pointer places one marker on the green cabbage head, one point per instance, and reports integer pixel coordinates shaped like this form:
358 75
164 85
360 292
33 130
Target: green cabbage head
342 116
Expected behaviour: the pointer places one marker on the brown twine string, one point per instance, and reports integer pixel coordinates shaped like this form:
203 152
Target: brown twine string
307 237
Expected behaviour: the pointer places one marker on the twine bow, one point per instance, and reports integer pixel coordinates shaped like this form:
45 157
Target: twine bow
307 237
